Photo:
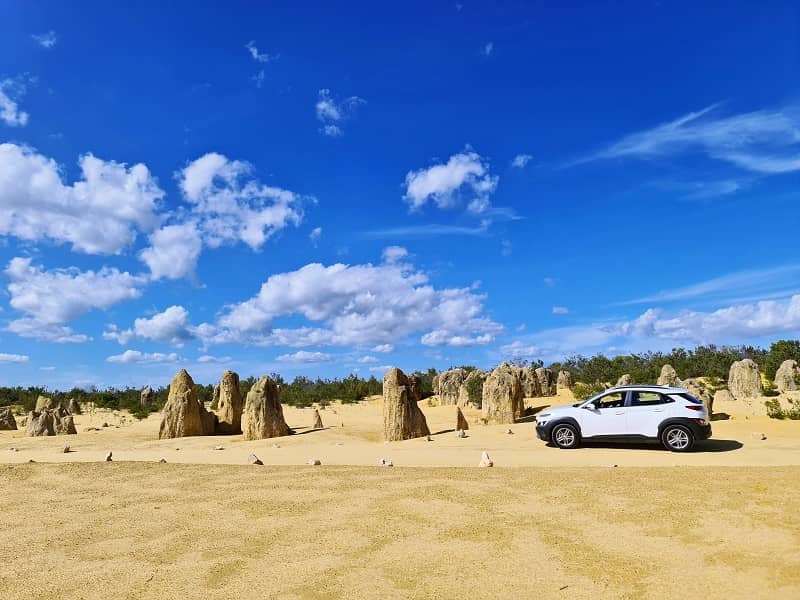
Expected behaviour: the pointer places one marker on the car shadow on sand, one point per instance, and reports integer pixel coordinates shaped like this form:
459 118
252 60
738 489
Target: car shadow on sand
711 445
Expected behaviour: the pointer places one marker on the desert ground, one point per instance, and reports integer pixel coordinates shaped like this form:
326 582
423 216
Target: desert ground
601 521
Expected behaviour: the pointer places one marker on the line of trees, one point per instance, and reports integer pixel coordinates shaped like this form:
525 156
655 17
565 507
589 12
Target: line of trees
703 361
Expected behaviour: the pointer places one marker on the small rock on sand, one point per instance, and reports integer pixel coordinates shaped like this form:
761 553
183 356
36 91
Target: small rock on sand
757 435
461 433
65 450
163 460
485 460
254 460
509 432
219 447
314 462
108 457
385 462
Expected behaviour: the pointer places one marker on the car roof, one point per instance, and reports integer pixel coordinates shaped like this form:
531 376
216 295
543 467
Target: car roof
664 389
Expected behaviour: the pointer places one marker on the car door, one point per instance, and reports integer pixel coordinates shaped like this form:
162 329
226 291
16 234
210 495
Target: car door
646 410
605 417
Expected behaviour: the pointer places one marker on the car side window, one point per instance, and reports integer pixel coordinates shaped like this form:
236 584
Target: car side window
614 400
647 399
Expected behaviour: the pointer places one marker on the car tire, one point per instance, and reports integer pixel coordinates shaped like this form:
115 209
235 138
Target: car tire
677 438
565 436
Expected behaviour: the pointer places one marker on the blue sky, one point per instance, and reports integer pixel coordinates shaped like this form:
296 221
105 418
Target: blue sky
317 189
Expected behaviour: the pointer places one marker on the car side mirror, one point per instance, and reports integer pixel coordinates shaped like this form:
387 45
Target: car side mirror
589 406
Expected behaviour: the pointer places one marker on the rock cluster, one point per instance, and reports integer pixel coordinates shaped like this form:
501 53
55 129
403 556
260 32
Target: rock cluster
668 377
74 408
402 417
263 415
471 390
502 395
787 377
50 421
564 381
7 420
547 381
529 380
147 397
744 380
229 404
184 415
450 385
44 403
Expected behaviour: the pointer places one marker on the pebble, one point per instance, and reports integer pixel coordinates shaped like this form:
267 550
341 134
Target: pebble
219 448
509 432
108 456
314 462
461 433
254 460
385 462
163 460
758 435
66 449
485 460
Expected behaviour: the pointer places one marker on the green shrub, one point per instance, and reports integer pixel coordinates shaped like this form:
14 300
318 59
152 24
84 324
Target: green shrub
776 411
582 391
475 391
770 389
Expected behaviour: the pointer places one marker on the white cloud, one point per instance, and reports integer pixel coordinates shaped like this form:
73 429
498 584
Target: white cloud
230 205
381 369
259 78
763 141
99 214
383 348
260 57
315 235
465 175
521 160
51 298
742 282
550 281
430 230
487 48
214 359
170 327
10 113
332 112
518 349
173 251
560 310
304 357
394 254
45 40
354 306
143 358
366 360
13 359
506 247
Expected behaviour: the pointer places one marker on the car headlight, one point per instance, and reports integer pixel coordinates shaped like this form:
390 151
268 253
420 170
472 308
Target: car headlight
542 419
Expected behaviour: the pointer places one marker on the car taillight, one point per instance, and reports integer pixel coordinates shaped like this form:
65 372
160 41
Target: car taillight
694 407
700 421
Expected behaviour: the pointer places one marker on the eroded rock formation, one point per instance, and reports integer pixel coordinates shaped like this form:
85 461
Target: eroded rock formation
184 415
402 417
744 380
502 395
262 417
229 404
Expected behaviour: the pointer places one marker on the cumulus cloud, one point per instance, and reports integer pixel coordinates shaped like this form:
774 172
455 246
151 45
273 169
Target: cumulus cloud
170 327
383 348
143 358
763 141
231 205
464 176
45 40
520 350
355 306
394 254
304 357
173 251
51 298
12 359
521 160
333 112
98 214
366 360
315 235
560 310
10 113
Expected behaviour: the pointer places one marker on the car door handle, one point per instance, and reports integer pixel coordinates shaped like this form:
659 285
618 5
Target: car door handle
658 410
620 412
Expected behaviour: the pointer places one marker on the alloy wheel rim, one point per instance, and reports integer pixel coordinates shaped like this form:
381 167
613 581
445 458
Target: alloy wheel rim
677 438
565 436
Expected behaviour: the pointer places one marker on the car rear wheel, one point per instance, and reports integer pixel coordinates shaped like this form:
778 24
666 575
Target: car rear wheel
565 436
677 438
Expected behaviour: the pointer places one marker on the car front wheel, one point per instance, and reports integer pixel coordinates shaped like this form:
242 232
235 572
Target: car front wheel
677 438
565 436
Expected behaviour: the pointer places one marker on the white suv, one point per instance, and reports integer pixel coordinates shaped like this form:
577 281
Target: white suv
629 412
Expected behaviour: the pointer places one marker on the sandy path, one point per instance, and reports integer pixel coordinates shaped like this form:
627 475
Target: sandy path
138 530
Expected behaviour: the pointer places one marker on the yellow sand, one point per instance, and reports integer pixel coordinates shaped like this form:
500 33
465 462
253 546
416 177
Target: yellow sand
544 523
